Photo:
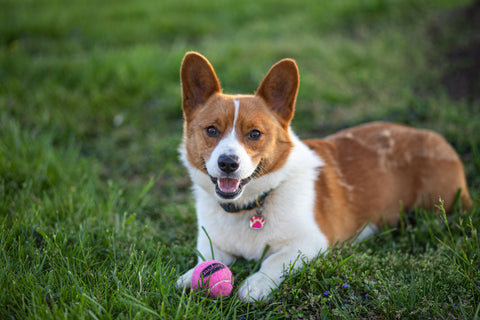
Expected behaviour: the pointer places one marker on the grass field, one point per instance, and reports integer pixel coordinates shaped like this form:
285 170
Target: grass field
96 217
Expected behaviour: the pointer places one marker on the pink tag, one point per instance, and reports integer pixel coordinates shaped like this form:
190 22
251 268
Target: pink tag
257 222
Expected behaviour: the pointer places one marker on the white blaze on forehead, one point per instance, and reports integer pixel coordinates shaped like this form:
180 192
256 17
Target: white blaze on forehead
237 107
230 145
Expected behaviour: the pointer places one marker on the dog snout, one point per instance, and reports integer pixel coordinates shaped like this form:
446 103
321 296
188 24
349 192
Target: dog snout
228 163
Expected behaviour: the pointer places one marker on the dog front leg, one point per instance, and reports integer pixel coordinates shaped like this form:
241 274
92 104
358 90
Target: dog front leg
259 285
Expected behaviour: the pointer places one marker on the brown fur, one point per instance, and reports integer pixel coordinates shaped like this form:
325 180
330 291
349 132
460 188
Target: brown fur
373 171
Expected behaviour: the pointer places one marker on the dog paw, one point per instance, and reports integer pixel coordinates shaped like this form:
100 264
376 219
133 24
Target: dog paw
257 287
185 280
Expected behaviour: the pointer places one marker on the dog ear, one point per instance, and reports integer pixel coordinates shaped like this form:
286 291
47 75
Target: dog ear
199 82
279 89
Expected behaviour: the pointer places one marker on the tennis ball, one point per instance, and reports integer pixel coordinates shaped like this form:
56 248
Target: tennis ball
213 276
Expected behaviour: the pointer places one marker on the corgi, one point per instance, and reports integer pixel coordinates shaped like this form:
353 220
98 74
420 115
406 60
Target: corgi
262 193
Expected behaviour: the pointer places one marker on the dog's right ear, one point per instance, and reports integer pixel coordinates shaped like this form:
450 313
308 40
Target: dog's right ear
199 82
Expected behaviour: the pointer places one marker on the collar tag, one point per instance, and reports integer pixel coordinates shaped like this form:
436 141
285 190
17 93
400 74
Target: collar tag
257 222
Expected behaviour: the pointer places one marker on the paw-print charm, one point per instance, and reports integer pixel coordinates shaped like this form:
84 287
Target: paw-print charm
257 222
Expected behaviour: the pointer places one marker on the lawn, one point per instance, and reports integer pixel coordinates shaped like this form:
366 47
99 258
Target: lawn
96 216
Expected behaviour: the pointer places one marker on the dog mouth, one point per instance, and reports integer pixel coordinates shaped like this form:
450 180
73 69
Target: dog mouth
230 187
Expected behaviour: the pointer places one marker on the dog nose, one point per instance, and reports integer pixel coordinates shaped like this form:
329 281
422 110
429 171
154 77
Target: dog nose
228 163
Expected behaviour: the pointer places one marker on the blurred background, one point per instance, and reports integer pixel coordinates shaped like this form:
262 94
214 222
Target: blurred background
105 73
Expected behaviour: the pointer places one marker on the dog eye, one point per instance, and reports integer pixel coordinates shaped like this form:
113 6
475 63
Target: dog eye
212 131
254 135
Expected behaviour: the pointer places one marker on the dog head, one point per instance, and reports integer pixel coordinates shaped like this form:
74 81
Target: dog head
235 139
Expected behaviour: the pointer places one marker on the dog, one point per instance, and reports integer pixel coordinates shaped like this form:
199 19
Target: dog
262 193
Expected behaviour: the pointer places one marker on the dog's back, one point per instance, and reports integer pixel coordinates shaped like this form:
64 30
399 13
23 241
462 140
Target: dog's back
379 168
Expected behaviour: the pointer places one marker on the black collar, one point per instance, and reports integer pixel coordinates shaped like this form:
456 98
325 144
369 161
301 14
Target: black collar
233 208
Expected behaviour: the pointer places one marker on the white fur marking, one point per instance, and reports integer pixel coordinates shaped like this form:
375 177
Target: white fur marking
237 107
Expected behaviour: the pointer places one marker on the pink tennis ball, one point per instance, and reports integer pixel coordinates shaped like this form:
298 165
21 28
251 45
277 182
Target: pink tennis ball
213 276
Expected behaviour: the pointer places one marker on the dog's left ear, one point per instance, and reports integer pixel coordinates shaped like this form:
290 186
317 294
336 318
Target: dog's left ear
279 89
199 82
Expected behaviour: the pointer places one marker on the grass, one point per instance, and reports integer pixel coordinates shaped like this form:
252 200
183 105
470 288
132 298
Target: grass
96 217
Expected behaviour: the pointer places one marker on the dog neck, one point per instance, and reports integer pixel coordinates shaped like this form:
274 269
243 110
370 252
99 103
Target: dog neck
233 208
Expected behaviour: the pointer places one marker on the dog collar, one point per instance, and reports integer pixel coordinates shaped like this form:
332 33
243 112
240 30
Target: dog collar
232 208
256 221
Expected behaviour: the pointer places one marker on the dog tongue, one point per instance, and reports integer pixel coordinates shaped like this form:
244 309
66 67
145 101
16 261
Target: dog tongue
228 185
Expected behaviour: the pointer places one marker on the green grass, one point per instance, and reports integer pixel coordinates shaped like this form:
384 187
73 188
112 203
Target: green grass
96 216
